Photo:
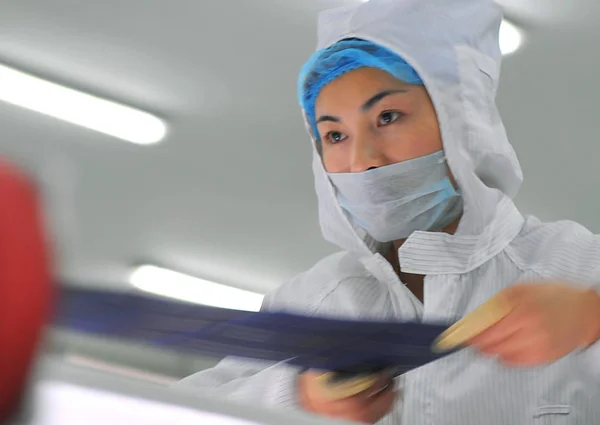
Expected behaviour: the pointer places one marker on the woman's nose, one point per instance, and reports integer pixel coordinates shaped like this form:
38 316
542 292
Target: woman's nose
366 155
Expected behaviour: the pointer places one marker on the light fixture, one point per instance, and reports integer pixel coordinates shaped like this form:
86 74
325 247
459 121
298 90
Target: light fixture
510 38
172 284
123 122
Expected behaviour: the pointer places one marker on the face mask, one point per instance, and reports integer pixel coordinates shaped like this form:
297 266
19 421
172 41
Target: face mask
393 201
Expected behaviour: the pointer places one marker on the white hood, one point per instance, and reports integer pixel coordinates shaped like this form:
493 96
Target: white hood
453 45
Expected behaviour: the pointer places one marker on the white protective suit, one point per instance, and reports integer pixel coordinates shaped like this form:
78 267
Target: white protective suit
453 45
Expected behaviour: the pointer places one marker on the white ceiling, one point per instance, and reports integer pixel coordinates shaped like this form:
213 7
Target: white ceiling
228 195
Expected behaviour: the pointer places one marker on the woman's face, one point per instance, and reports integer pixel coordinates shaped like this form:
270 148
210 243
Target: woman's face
368 119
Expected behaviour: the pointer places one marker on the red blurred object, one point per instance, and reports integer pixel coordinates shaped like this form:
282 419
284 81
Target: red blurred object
25 284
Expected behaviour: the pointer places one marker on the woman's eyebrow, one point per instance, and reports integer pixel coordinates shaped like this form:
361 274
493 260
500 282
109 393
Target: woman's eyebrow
330 118
379 96
367 105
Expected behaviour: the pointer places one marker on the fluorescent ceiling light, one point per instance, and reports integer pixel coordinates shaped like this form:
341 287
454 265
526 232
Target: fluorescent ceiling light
79 108
168 283
510 38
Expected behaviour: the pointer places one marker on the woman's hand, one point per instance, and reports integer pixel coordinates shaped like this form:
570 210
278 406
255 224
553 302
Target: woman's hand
531 323
374 401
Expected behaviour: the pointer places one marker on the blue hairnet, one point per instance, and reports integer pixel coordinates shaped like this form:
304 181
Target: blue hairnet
328 64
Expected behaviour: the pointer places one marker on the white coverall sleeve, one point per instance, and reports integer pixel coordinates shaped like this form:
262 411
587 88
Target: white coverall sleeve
591 356
246 380
592 359
274 385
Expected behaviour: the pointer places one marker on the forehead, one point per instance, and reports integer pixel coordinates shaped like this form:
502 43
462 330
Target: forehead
357 86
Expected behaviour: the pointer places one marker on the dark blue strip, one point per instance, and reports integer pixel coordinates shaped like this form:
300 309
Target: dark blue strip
308 342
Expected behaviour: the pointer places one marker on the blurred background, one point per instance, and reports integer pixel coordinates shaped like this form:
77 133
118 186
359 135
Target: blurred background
226 195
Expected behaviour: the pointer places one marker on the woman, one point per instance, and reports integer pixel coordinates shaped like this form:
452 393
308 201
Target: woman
414 176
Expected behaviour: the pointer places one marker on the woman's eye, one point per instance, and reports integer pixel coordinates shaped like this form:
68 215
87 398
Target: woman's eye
388 117
335 137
